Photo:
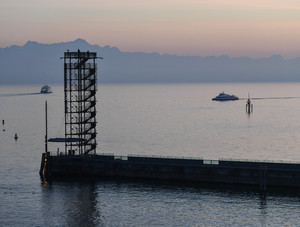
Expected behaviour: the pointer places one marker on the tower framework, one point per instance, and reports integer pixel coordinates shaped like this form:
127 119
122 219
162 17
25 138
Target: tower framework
80 85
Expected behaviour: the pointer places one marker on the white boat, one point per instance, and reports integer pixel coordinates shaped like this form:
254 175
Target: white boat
46 89
225 97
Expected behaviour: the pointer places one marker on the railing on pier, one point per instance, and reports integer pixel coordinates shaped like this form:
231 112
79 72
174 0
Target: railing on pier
167 157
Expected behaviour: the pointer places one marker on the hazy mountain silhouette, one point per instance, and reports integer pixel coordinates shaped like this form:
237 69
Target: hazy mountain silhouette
41 63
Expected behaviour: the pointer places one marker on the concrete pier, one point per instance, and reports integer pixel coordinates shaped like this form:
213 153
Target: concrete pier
261 174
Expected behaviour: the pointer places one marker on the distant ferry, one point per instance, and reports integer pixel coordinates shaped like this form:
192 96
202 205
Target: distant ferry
225 97
46 89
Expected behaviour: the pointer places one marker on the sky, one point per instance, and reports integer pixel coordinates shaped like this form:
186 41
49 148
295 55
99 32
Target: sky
254 28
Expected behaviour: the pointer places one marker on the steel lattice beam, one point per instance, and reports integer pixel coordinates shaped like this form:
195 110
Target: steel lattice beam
80 85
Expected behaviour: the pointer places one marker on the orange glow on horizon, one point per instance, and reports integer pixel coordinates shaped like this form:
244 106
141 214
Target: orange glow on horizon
255 28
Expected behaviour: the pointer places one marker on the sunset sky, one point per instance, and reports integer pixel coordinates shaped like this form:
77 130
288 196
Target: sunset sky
255 28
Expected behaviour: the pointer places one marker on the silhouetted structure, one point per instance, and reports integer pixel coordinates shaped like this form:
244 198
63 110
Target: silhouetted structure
80 138
80 102
249 106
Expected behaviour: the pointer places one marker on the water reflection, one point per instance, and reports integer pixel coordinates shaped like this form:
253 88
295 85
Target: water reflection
263 208
272 98
71 204
115 203
19 94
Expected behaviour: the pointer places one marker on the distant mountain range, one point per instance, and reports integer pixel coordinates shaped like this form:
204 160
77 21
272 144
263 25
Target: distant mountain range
36 63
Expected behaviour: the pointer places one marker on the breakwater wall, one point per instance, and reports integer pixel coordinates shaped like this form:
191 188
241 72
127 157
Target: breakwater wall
262 174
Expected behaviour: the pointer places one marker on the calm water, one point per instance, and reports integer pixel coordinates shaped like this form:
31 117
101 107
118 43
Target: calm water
168 120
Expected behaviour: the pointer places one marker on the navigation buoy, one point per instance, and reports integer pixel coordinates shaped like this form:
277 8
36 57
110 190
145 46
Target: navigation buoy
249 106
16 137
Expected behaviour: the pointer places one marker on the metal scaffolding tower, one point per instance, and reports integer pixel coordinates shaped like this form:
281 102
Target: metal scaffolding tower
80 102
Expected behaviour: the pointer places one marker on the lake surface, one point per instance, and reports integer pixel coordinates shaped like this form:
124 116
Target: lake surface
151 119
